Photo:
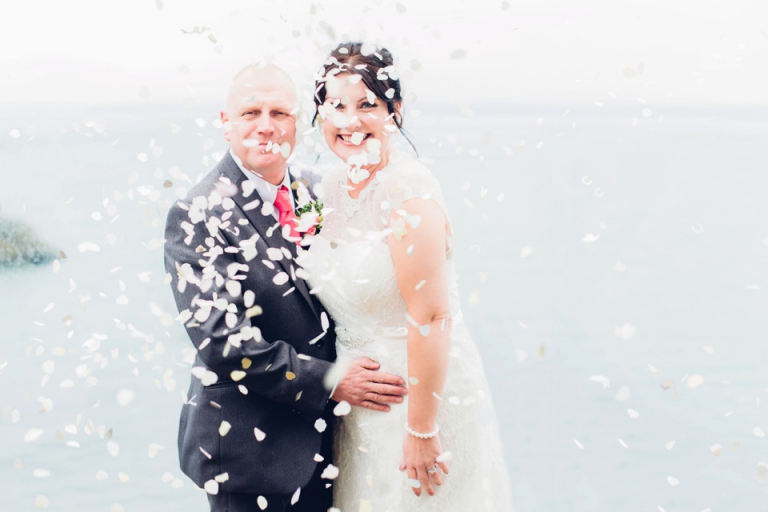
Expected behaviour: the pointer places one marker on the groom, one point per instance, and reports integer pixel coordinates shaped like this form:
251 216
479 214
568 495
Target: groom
255 432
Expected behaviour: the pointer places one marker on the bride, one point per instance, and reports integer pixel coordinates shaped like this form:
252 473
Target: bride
383 267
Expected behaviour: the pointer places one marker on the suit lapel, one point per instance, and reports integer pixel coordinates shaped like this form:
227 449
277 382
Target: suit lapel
266 225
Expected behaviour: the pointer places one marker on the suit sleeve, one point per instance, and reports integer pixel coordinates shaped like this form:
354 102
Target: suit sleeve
201 264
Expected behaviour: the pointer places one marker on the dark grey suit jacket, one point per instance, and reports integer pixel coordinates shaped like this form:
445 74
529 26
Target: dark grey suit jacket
277 384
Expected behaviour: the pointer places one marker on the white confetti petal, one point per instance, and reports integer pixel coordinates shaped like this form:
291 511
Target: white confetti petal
280 278
154 449
601 379
113 448
48 367
274 254
625 332
695 381
342 408
32 435
88 246
623 394
330 472
762 471
125 397
211 487
259 434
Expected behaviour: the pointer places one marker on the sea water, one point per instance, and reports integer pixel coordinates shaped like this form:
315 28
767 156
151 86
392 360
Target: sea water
612 265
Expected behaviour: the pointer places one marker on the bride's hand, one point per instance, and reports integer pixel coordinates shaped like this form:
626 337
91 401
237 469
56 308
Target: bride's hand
419 455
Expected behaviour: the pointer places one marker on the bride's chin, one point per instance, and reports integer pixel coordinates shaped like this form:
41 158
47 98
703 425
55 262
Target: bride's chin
345 152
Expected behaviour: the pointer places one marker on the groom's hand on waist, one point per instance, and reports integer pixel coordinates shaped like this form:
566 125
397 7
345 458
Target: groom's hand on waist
364 386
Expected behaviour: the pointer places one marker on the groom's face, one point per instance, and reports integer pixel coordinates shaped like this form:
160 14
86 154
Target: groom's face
260 124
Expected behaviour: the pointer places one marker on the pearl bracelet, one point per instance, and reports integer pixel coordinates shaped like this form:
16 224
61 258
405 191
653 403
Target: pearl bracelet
421 435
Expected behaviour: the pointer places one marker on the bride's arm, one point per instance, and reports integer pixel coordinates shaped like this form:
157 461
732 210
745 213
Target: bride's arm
418 248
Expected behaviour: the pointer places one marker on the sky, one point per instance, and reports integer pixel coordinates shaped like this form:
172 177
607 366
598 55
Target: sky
688 52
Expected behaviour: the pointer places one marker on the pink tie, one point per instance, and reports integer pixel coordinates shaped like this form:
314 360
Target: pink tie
285 209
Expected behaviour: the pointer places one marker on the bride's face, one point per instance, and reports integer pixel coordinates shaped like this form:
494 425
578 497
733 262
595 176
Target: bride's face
355 121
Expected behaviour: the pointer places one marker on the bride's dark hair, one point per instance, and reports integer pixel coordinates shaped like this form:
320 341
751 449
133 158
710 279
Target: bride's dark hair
375 67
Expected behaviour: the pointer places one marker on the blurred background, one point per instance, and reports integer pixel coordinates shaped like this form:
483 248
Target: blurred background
604 166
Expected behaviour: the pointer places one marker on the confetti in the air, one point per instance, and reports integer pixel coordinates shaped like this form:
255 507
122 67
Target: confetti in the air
602 380
626 331
330 472
125 397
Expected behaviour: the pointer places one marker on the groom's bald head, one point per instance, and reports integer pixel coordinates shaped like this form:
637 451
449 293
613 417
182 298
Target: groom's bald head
258 75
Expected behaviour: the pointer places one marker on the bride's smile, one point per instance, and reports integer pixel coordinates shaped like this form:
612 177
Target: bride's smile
349 139
355 121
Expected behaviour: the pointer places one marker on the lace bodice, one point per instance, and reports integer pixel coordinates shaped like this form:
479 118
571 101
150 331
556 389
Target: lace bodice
349 261
402 179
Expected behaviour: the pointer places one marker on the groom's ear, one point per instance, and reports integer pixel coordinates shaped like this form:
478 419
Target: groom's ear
225 124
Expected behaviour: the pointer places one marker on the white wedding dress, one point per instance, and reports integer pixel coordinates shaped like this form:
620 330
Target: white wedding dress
352 272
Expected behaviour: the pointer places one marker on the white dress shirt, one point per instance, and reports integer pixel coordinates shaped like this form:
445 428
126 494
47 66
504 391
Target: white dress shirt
266 190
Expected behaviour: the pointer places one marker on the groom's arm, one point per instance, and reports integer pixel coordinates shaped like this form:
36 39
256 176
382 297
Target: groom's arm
201 264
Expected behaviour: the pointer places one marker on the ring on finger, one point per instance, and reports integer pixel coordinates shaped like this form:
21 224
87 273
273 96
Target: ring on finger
432 470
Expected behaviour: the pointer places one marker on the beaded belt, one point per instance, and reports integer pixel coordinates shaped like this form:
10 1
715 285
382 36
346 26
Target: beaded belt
351 338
